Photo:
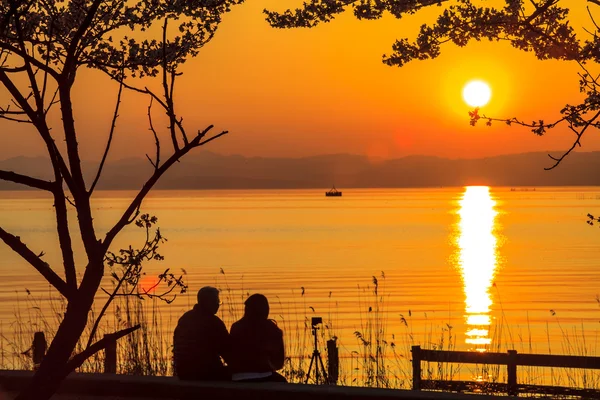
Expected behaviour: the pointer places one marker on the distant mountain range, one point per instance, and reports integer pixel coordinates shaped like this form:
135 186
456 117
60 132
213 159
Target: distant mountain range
206 170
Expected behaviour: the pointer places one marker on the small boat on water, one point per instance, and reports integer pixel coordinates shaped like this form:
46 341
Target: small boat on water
333 193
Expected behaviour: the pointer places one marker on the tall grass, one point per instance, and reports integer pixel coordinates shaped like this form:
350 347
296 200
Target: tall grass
372 356
372 334
146 351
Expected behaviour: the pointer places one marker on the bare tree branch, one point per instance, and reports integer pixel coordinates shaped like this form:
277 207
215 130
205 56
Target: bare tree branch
52 102
137 201
163 295
14 242
12 119
78 189
110 137
30 74
8 111
66 104
64 235
156 162
78 359
163 104
576 143
55 156
177 121
14 70
593 20
575 118
45 80
71 59
64 85
26 180
111 297
168 99
203 142
32 60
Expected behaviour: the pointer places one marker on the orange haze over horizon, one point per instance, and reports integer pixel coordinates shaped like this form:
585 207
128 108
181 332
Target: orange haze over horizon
301 92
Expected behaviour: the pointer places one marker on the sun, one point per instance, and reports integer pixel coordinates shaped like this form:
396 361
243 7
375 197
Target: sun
148 284
477 93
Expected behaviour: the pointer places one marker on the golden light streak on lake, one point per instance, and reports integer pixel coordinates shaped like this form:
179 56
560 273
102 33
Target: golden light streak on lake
477 261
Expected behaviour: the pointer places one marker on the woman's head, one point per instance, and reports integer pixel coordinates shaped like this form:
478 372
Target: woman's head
256 307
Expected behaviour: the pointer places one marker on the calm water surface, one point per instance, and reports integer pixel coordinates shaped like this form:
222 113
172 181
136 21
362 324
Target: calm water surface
519 267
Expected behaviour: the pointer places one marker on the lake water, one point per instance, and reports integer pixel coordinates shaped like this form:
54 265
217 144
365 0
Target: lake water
518 268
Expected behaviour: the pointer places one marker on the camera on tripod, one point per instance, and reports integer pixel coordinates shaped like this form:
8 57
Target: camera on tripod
316 365
316 321
320 375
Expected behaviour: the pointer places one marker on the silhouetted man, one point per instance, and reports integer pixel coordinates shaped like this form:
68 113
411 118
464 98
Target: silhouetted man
200 340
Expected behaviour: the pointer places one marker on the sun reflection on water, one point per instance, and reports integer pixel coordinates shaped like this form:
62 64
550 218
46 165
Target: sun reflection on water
477 261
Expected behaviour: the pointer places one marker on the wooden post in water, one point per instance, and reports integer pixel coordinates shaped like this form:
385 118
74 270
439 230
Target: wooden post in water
511 370
416 364
110 355
38 349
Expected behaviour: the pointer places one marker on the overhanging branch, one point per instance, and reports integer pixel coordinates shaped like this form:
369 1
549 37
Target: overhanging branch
14 242
577 142
26 180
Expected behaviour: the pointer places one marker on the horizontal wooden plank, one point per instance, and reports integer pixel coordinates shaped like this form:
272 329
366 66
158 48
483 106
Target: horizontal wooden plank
559 390
547 360
464 357
533 360
495 387
465 386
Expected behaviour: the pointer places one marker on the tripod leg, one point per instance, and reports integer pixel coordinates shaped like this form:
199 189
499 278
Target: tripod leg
317 380
324 370
312 359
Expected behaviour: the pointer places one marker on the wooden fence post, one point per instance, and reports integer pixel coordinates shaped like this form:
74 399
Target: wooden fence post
110 355
511 369
416 364
38 349
333 363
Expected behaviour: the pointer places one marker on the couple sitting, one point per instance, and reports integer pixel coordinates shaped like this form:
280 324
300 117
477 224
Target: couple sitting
253 350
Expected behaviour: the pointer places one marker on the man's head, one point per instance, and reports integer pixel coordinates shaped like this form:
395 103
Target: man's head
208 299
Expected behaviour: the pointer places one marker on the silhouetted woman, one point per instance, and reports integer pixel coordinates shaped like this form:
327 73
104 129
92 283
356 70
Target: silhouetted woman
256 344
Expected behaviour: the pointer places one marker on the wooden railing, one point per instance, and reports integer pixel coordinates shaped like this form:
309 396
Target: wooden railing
110 352
511 359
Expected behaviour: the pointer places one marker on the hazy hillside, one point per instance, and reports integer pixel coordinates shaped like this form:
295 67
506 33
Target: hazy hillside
206 170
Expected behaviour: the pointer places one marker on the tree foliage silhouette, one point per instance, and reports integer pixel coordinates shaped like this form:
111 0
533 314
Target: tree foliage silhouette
43 46
542 27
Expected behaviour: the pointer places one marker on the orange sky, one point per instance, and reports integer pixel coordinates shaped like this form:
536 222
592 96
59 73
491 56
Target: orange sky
324 90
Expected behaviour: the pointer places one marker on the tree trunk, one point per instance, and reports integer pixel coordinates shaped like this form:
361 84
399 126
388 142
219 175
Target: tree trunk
53 369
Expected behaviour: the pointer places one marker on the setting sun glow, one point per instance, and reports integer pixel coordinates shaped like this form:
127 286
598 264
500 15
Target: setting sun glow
477 93
477 244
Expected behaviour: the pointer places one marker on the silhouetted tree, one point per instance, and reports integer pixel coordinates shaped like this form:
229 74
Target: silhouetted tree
43 45
538 26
